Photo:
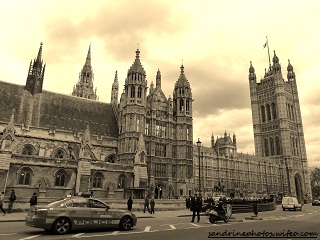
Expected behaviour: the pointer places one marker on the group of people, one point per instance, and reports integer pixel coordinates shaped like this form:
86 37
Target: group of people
147 203
33 201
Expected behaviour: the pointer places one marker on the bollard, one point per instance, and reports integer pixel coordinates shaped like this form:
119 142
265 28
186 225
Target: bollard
255 209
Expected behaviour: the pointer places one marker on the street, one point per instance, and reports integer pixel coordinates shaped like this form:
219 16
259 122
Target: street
277 221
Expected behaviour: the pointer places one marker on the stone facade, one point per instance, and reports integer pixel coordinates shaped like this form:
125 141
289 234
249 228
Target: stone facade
279 165
56 144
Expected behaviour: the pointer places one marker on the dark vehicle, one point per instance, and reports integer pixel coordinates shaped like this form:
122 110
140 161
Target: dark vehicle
315 202
78 213
215 214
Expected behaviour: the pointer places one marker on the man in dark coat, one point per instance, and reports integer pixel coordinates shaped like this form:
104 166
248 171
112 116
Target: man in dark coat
129 203
146 204
12 198
152 203
196 206
34 199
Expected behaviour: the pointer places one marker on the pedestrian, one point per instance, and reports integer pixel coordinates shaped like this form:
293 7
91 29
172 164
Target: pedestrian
188 200
12 198
34 199
2 202
152 203
129 203
196 205
146 204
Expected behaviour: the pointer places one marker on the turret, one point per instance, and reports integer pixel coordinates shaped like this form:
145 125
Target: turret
84 87
115 90
290 75
252 75
182 96
212 141
35 74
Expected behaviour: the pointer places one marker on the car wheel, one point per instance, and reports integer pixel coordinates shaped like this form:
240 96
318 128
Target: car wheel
283 209
212 220
61 226
126 223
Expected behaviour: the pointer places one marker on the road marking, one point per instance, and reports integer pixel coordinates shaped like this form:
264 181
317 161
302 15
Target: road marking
147 229
114 232
172 227
299 215
195 224
77 235
310 213
7 234
34 236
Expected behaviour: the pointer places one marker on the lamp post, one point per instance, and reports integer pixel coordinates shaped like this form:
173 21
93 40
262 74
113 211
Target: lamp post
265 168
199 145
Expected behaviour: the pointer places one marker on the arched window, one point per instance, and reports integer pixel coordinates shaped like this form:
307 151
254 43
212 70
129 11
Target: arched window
111 158
274 110
278 150
266 147
297 147
28 150
288 111
268 112
59 153
122 181
97 180
139 92
25 176
187 107
60 178
271 146
263 114
181 105
292 112
133 92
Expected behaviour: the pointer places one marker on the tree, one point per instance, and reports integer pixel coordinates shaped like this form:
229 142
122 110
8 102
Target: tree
315 181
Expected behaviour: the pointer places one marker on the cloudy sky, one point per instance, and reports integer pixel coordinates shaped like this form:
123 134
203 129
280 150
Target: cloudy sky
216 40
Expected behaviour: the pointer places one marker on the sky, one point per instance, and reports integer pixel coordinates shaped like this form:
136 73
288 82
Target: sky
215 40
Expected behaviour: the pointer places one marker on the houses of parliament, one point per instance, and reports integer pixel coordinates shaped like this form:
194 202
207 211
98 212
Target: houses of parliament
141 142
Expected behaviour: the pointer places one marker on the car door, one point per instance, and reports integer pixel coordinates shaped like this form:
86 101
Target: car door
80 212
102 216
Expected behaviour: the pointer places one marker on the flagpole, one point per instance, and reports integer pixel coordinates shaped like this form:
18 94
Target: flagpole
268 53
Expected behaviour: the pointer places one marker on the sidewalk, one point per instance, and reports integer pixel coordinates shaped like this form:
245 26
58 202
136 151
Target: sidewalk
20 216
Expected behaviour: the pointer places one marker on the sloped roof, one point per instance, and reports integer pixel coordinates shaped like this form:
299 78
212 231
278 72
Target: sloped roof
59 111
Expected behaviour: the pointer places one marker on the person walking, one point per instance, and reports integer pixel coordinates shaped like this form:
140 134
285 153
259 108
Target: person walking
146 204
34 199
1 203
12 198
129 203
196 206
152 203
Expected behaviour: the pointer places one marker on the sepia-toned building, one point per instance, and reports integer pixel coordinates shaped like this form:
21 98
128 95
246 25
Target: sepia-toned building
279 165
56 144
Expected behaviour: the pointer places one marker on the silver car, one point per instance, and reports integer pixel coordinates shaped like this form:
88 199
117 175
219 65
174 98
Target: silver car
78 213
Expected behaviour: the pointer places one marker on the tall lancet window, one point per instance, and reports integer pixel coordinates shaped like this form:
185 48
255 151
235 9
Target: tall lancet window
187 107
133 92
139 92
181 105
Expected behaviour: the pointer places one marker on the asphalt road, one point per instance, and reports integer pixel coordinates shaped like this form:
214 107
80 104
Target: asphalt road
276 222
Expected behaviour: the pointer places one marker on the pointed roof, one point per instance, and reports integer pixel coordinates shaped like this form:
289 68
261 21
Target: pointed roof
158 79
9 130
136 67
88 59
115 77
40 53
182 81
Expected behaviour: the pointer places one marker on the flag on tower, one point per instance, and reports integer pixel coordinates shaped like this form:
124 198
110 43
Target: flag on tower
264 45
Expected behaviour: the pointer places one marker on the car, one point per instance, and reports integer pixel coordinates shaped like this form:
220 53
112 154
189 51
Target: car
77 212
291 203
315 202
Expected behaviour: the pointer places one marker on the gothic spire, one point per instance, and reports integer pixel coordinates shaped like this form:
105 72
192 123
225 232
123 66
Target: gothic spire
158 79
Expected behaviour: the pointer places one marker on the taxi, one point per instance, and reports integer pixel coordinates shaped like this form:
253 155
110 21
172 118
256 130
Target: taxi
77 212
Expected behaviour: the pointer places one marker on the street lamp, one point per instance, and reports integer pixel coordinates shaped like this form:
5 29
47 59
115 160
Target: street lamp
265 168
199 145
